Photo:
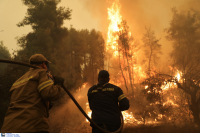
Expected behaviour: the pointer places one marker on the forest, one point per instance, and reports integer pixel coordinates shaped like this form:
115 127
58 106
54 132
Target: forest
162 99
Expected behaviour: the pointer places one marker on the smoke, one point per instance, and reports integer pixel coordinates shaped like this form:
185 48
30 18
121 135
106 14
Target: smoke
98 10
65 117
140 13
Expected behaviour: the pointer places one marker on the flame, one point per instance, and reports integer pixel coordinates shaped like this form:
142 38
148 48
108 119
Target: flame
167 85
178 75
170 102
88 111
112 47
84 85
170 85
115 18
128 117
135 72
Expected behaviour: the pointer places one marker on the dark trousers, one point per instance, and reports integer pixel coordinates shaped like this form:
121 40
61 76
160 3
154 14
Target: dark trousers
109 128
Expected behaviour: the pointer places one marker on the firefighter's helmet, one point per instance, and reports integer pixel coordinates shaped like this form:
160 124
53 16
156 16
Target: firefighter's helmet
37 59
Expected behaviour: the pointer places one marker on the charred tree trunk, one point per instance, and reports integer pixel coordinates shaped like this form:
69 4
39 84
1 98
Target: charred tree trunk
132 72
149 71
195 109
195 112
122 73
194 106
129 72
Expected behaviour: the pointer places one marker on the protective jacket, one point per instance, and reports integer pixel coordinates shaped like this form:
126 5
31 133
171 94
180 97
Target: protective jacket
106 101
30 96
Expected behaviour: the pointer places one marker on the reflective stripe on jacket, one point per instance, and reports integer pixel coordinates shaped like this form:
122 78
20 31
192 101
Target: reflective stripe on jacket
28 110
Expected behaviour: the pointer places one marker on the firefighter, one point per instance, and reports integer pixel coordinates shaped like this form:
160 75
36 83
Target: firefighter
106 102
30 96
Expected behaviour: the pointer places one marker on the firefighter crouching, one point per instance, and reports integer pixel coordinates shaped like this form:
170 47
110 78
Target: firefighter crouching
106 102
30 96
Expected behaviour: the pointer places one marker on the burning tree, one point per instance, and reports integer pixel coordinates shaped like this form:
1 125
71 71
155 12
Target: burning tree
127 48
122 50
153 92
122 56
154 82
184 32
152 48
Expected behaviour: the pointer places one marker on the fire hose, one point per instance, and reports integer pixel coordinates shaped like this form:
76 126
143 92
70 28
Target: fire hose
70 95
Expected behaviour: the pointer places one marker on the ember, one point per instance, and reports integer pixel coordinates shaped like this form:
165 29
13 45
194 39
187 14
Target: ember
88 111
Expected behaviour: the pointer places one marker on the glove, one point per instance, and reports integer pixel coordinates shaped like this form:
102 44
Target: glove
58 80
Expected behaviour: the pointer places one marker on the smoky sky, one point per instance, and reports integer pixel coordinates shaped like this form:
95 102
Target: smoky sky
140 13
88 14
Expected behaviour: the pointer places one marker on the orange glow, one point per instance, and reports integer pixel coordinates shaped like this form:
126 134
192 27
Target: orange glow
160 116
116 58
178 75
84 85
170 85
88 111
115 19
170 102
131 71
128 117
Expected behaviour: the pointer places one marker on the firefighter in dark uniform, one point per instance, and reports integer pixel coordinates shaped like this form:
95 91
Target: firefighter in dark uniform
106 102
30 97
